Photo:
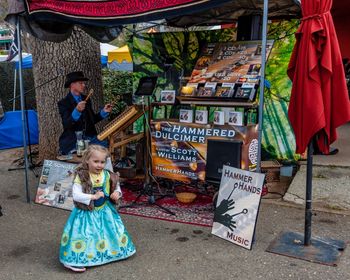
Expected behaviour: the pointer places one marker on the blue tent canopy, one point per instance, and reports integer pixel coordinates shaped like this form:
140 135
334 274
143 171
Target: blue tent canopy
11 129
27 62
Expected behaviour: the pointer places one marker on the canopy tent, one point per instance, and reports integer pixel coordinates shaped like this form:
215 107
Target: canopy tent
10 129
105 48
53 20
3 58
120 59
27 62
120 54
229 12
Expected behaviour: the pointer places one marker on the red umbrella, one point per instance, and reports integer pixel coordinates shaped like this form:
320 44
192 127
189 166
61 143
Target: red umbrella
319 102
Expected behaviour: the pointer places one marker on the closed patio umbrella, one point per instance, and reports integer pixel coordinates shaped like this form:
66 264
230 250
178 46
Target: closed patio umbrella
319 102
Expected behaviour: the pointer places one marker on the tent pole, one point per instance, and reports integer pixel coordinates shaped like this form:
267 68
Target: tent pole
262 82
21 89
14 91
308 198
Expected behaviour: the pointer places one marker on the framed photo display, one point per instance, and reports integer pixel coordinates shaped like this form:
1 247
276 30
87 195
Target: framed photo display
167 96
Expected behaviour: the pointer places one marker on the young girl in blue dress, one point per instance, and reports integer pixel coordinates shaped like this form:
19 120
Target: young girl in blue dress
94 233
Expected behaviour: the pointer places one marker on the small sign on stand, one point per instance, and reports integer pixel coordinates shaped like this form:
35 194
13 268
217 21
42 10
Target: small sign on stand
55 185
238 206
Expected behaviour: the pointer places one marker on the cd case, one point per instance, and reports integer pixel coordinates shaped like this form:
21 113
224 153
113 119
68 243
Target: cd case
219 117
201 116
186 116
235 118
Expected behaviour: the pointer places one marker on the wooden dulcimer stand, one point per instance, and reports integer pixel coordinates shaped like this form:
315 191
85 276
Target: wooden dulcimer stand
117 131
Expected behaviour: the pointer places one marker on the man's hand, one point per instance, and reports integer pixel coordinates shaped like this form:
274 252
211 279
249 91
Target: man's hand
115 196
81 106
108 108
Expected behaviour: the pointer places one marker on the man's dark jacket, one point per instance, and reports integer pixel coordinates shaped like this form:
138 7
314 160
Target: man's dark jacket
85 123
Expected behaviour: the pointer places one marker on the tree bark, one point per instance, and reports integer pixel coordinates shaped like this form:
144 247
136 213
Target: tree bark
53 61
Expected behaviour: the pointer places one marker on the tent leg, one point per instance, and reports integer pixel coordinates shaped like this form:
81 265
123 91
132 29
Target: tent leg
14 91
262 83
308 197
24 134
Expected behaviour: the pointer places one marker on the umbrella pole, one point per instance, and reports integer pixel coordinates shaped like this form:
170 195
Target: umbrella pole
24 134
319 250
262 82
308 198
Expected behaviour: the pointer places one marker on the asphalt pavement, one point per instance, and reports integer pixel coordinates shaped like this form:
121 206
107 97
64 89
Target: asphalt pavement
30 236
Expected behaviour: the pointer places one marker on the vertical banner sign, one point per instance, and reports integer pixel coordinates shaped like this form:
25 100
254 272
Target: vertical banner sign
55 185
237 206
179 150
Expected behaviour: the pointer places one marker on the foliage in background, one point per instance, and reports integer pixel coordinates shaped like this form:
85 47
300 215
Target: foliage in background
117 89
278 137
150 51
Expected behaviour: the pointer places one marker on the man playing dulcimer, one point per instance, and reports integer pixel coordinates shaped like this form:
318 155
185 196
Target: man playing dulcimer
77 114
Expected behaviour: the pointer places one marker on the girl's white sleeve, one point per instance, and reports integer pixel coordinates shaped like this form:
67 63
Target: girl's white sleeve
79 196
118 189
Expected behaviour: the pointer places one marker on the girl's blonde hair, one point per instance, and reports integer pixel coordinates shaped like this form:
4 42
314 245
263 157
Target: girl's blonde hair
92 148
83 169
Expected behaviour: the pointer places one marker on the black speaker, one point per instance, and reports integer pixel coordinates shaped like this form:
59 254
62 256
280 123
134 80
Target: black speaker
219 153
249 28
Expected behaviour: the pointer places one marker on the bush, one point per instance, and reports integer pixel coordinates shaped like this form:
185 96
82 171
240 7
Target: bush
117 89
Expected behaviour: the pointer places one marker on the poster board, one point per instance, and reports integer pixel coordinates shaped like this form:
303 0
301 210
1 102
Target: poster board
179 150
231 62
237 206
55 185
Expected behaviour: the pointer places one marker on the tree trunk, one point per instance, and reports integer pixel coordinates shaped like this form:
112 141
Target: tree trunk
53 61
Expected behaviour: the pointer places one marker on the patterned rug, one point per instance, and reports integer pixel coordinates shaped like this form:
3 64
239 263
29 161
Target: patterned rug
199 212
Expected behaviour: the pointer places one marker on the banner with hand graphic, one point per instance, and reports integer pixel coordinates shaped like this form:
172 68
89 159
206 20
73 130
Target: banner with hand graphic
238 206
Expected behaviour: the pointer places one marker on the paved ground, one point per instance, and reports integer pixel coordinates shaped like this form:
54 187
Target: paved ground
331 177
342 158
30 234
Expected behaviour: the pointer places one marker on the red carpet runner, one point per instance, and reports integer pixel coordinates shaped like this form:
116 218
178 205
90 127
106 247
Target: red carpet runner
199 212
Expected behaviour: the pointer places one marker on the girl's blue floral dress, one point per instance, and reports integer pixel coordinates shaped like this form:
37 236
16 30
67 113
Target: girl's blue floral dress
95 237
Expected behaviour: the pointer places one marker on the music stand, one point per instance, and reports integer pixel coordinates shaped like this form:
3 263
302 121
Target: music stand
146 87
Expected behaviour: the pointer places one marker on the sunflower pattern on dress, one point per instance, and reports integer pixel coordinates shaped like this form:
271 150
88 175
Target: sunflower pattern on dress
95 237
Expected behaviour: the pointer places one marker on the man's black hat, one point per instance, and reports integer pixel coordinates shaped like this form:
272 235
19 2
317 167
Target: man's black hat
74 77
